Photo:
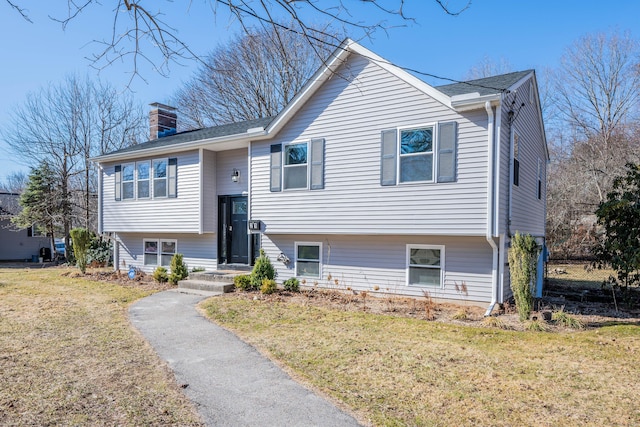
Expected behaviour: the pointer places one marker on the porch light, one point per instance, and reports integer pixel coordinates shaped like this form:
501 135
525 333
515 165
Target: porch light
235 176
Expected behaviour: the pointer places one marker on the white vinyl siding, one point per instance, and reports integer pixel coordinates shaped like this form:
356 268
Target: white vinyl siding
226 162
350 114
199 250
378 263
176 214
527 211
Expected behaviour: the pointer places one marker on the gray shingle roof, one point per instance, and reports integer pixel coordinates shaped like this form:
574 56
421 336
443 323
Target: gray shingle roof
199 134
486 86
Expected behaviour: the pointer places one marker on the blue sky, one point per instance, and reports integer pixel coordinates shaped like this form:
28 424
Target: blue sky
527 34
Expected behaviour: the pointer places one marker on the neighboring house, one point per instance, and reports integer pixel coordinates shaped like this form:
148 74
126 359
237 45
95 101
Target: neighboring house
17 245
370 179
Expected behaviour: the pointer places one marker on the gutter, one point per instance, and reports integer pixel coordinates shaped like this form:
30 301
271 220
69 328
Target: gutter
490 207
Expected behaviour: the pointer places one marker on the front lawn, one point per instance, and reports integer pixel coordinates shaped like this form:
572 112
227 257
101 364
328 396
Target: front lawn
68 356
396 371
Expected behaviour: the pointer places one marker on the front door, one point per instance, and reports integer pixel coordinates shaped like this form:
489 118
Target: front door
233 245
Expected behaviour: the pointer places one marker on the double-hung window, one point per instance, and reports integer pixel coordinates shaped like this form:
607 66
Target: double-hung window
143 170
308 259
420 154
128 181
295 170
297 165
158 252
425 265
416 154
160 178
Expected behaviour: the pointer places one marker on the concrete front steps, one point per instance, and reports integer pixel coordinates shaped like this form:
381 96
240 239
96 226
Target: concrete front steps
211 281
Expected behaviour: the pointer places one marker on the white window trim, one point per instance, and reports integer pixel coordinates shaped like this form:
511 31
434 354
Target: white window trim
285 166
159 253
319 245
166 178
408 264
434 151
135 181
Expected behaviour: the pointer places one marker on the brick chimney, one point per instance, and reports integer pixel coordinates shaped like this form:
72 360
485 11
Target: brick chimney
162 120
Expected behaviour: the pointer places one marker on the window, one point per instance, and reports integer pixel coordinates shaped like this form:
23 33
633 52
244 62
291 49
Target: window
308 259
539 179
160 178
143 169
299 165
416 154
128 179
516 161
141 180
295 166
423 154
159 252
425 264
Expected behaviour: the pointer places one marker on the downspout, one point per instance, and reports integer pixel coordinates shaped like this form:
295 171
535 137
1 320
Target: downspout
490 208
100 184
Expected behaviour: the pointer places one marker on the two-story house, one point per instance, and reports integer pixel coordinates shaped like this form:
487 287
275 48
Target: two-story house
370 179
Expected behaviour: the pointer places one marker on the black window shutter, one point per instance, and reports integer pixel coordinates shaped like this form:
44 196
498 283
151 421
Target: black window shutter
317 163
516 172
30 231
447 152
118 182
276 167
388 155
172 178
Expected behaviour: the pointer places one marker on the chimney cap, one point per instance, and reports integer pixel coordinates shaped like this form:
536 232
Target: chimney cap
162 106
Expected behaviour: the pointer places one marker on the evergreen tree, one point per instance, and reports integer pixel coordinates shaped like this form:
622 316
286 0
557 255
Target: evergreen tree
40 202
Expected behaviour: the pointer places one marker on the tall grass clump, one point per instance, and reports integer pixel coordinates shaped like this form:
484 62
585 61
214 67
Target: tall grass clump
523 256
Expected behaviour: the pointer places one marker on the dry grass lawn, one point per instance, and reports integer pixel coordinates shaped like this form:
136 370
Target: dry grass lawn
395 371
68 356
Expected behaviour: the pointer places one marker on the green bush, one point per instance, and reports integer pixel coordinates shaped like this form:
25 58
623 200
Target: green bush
522 268
291 285
161 275
268 286
197 269
179 269
99 251
243 282
263 269
81 238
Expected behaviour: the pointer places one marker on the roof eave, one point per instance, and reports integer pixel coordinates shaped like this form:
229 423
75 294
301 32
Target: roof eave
252 134
473 101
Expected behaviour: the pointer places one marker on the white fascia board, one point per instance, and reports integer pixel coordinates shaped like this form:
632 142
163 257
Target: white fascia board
185 146
473 101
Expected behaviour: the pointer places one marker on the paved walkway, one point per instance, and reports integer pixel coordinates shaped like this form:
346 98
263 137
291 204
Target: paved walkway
229 381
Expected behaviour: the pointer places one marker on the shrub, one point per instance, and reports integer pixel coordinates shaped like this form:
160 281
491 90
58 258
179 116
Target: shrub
522 267
81 238
243 282
197 269
161 275
291 285
268 286
263 269
99 251
179 269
